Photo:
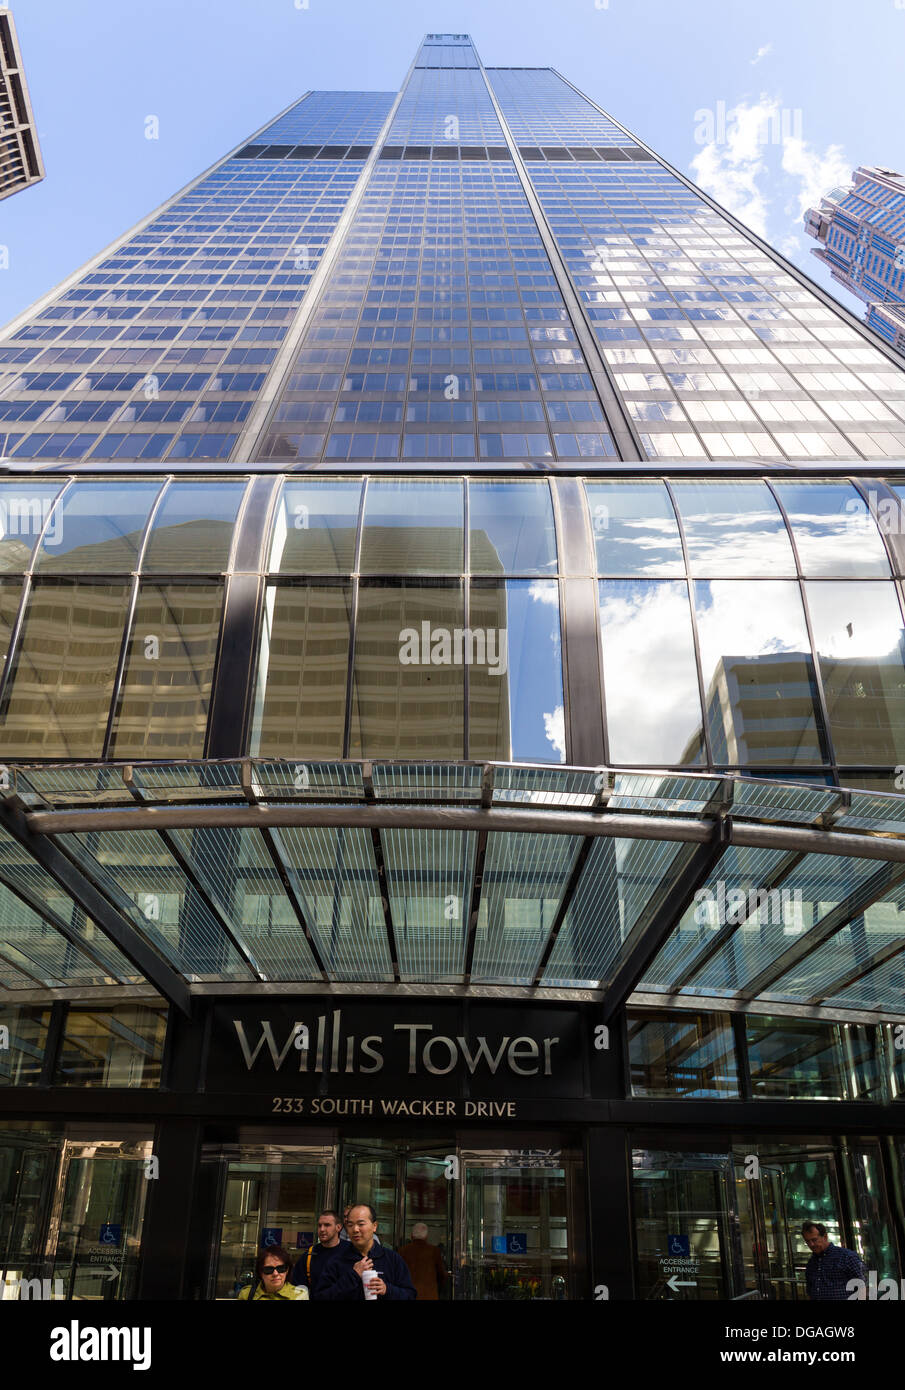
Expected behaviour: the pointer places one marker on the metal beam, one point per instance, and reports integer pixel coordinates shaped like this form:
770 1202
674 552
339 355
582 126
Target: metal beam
67 930
274 848
380 865
28 971
858 972
713 944
158 972
857 902
474 906
659 919
393 816
211 900
565 903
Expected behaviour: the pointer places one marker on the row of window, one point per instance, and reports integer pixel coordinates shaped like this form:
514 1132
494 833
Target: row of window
733 632
671 1054
642 528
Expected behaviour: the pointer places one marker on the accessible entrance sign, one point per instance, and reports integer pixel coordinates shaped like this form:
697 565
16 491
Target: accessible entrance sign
679 1267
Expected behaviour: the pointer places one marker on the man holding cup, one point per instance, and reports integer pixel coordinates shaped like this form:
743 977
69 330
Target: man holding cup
363 1270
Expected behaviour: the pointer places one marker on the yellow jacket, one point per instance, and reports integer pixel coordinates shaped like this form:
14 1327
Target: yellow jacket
287 1294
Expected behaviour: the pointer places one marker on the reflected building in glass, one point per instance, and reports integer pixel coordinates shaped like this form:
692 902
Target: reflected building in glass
450 588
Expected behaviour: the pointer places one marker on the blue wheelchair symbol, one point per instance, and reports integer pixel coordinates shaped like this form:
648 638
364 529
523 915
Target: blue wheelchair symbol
680 1246
110 1234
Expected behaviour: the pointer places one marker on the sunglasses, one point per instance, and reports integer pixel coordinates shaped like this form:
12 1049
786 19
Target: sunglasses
274 1269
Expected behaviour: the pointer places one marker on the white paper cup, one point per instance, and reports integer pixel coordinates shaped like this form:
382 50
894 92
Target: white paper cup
367 1278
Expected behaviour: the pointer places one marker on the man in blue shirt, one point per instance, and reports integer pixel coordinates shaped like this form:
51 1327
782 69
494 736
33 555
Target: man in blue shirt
362 1254
309 1268
830 1267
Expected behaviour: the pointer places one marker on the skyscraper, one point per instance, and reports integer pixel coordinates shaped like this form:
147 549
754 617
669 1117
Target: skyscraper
453 706
862 234
20 155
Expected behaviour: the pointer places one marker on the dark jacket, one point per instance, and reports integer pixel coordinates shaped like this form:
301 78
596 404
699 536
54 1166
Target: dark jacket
342 1283
321 1255
826 1275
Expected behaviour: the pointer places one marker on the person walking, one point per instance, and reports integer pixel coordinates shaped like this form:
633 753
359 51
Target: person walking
311 1264
425 1263
362 1268
831 1267
271 1268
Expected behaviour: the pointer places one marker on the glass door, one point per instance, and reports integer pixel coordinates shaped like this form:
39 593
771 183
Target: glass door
683 1219
515 1227
269 1195
94 1235
27 1173
767 1247
370 1174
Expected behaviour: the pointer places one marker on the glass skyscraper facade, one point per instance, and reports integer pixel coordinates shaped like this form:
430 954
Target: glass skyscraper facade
451 585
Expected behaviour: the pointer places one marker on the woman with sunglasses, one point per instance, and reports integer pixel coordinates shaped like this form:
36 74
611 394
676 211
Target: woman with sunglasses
271 1269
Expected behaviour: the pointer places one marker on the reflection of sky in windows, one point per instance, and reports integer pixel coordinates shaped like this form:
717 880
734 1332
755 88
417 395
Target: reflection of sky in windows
653 706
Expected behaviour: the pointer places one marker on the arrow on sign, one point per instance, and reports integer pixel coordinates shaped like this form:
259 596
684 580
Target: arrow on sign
675 1283
108 1271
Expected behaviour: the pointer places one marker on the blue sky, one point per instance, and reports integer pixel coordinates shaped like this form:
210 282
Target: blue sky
212 71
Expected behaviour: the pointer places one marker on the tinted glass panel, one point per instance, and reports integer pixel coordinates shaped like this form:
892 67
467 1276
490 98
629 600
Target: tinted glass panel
24 507
62 684
314 529
413 527
21 1061
10 597
681 1054
112 1047
795 1059
833 529
511 528
858 636
653 702
408 694
169 672
759 684
193 529
635 529
734 528
515 702
97 528
302 673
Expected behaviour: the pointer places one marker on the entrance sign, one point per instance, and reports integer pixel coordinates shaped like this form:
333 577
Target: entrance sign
430 1048
679 1268
271 1235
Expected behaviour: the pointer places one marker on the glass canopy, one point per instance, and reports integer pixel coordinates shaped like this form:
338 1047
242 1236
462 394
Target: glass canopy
192 876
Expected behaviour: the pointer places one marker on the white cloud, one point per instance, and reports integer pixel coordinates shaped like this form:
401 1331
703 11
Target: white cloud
730 171
817 173
555 730
738 169
761 53
790 246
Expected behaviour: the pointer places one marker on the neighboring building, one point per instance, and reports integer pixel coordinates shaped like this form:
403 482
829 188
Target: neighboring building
20 155
862 234
451 587
889 321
